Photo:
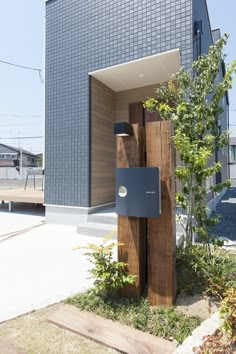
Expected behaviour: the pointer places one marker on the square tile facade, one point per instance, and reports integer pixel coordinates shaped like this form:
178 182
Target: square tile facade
84 36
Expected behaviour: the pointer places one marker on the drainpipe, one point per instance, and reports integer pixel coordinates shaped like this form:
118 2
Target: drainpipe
228 148
198 33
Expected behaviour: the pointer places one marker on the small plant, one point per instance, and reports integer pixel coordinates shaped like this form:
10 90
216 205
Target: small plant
223 341
197 270
228 313
109 275
216 343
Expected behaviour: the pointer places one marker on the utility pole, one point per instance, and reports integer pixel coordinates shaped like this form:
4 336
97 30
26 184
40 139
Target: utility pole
21 157
21 164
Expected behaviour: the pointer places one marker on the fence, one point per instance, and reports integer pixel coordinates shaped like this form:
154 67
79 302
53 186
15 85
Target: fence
12 173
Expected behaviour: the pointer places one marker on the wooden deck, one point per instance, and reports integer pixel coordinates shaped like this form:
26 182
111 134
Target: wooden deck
22 196
112 334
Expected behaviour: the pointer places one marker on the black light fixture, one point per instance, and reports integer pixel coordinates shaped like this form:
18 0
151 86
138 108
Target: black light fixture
123 129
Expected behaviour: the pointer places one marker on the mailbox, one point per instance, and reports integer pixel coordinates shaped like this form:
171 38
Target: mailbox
138 192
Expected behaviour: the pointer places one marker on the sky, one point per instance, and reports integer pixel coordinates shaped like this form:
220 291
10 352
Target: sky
222 15
21 90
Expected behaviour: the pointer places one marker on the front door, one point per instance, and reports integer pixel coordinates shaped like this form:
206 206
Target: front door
136 113
139 114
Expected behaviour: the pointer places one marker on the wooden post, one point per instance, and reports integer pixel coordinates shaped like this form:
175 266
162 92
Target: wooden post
162 230
131 230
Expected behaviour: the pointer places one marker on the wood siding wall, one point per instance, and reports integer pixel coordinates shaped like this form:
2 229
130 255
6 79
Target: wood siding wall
124 98
103 144
107 107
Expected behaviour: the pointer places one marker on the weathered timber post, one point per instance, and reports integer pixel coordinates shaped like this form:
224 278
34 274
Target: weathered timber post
162 230
132 230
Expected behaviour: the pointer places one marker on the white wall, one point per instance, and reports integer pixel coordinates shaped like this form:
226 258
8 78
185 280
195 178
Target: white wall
232 171
11 173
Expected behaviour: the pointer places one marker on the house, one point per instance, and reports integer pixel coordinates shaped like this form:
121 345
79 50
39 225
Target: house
11 161
10 157
232 157
103 58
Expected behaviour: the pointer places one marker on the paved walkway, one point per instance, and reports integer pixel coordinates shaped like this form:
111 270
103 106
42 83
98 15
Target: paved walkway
24 216
39 268
227 209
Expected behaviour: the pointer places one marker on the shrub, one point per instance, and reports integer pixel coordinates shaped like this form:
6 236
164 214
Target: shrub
109 275
228 313
216 343
200 271
224 339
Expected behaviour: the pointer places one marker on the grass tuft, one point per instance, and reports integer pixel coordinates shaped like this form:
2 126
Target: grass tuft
159 321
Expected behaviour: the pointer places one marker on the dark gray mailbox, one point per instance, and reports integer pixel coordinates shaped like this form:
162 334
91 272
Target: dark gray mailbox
138 192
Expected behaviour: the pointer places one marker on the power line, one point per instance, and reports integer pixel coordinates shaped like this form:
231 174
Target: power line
22 137
12 124
24 67
20 115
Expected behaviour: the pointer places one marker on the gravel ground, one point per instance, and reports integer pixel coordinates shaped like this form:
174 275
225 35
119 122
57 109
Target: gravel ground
34 335
227 209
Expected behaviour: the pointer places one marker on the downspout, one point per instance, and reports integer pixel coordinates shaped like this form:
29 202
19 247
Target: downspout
198 33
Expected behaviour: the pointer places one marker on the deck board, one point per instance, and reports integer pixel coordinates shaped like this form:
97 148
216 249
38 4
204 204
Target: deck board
23 196
109 333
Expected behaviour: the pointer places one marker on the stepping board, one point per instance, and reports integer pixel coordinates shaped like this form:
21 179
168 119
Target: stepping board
109 333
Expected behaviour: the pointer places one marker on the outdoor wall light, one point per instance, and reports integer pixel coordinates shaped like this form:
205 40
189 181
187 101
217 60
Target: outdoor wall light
123 129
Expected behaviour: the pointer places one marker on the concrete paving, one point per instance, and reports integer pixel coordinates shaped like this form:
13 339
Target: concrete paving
39 267
24 216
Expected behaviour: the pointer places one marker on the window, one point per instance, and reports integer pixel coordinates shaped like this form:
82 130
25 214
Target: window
209 183
232 153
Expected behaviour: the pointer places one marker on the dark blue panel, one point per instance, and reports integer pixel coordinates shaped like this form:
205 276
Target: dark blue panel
138 192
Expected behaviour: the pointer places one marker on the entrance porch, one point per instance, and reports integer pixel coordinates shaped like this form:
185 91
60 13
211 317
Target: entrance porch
116 95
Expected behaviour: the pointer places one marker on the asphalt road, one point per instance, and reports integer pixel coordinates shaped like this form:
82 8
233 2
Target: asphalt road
227 209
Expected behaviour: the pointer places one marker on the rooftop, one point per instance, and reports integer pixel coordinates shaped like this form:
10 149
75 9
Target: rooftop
17 149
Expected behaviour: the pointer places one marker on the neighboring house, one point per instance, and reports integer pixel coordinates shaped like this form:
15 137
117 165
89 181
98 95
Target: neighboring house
103 58
232 157
222 154
10 157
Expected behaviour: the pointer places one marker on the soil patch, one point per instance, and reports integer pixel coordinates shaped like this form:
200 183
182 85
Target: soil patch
196 305
34 335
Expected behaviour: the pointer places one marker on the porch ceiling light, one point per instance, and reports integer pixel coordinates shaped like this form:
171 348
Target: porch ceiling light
123 129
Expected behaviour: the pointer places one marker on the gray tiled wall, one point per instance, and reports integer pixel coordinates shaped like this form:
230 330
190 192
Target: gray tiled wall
83 36
200 13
